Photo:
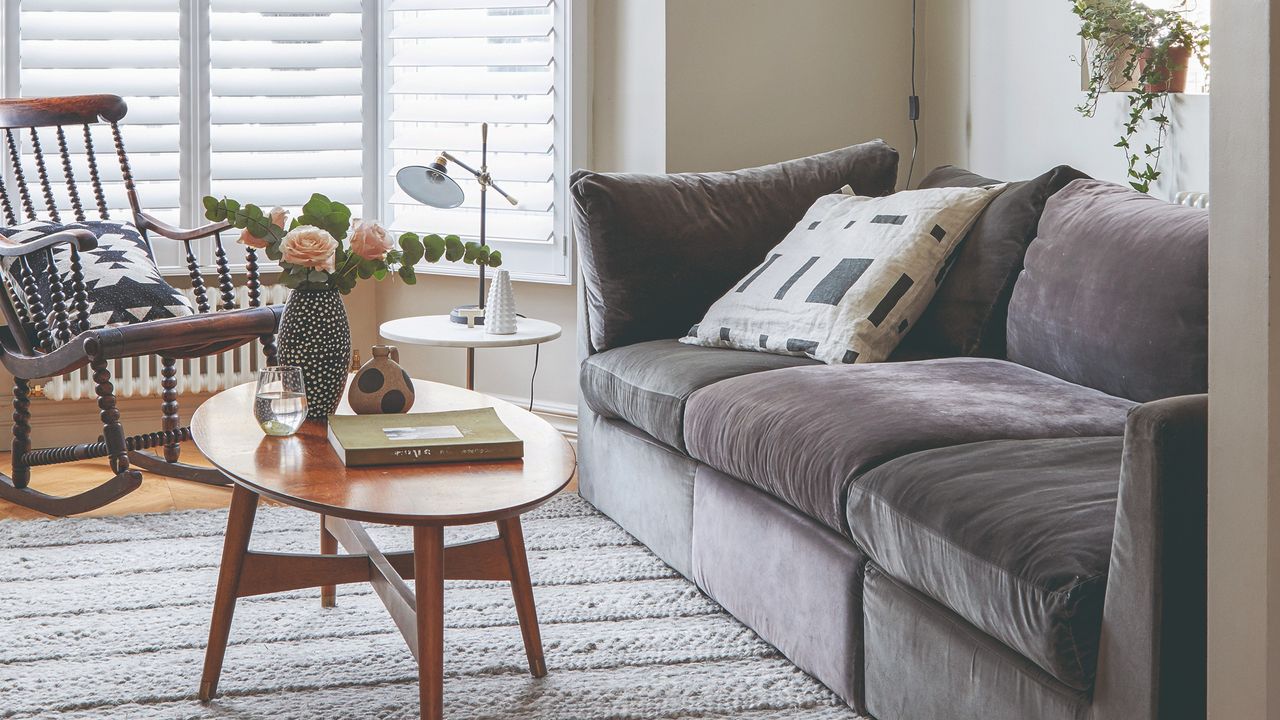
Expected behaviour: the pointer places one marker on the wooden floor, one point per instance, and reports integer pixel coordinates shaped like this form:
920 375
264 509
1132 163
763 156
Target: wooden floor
156 494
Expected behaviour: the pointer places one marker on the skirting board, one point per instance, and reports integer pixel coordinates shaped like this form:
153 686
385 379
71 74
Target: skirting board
64 422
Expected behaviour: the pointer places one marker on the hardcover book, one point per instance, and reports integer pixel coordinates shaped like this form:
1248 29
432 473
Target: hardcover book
435 437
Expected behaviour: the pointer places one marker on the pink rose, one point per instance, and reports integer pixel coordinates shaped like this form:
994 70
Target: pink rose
247 238
309 246
370 240
278 217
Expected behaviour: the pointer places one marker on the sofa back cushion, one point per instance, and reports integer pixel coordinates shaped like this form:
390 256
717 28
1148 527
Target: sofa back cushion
1114 294
967 314
657 250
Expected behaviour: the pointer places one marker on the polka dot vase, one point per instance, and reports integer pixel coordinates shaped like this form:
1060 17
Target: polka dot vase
381 385
314 335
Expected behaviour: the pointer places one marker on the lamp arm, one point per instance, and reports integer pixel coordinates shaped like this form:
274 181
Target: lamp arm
449 156
481 177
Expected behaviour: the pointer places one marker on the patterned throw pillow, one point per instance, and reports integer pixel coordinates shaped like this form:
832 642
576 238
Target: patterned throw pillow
120 276
849 279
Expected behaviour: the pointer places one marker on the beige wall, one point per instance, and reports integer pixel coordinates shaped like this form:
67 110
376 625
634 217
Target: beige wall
758 81
1244 365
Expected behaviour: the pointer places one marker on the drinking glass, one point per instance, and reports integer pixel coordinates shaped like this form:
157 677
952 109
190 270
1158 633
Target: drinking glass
280 403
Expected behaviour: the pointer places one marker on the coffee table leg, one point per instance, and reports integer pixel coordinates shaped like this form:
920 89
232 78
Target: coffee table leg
428 561
328 546
244 505
522 590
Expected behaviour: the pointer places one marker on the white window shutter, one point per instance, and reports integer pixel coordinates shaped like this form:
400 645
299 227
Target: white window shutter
285 101
451 65
129 48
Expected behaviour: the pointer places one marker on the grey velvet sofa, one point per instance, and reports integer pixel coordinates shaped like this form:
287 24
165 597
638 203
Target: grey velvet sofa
1010 529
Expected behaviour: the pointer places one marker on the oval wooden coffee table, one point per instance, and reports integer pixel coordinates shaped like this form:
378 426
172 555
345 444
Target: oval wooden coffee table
303 471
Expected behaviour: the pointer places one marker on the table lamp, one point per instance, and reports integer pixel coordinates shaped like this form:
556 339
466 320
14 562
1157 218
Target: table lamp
431 185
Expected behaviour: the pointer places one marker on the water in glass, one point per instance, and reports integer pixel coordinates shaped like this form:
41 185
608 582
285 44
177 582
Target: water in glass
280 403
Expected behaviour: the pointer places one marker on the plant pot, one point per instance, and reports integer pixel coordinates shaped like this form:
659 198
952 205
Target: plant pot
1117 79
1172 79
314 335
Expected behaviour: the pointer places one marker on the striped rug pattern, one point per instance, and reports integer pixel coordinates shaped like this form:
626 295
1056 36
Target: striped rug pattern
107 618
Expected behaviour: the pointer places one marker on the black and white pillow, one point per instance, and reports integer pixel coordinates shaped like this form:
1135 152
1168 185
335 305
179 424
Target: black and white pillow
120 275
849 279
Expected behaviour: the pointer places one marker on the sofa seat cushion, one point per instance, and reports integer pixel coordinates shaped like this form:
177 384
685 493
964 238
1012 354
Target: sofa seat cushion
647 384
803 434
1012 535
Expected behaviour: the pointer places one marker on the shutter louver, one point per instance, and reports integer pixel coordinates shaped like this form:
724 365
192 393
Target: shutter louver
454 64
286 103
129 48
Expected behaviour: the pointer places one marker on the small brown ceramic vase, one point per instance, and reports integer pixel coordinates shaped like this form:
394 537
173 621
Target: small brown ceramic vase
381 385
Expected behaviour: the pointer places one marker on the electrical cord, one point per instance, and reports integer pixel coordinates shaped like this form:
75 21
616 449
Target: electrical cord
913 102
537 350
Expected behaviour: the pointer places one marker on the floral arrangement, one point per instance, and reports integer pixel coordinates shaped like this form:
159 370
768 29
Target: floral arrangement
311 250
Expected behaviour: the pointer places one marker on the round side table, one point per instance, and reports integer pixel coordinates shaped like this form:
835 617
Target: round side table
440 331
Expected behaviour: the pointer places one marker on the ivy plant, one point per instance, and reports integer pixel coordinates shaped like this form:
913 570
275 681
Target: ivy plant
1128 41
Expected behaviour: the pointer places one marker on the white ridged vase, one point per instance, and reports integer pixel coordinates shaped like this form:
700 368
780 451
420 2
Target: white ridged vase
500 308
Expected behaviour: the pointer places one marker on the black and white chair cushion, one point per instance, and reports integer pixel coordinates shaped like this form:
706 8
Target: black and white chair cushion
121 278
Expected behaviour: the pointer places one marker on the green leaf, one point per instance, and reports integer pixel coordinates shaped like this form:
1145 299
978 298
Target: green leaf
318 276
495 258
470 252
434 246
273 252
380 273
453 249
210 206
338 221
345 283
413 249
290 281
406 274
317 206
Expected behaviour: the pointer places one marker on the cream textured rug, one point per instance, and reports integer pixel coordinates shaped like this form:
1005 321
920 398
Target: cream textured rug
107 618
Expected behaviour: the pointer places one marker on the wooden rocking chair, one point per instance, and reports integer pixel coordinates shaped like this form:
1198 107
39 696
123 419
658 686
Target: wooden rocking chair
40 342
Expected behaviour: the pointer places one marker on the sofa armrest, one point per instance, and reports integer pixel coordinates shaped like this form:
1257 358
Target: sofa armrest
1151 661
657 250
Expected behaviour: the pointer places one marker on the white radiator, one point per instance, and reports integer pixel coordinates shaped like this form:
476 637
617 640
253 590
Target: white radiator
140 376
1192 199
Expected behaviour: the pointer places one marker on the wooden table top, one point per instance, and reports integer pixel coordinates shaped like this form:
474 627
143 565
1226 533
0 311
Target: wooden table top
303 470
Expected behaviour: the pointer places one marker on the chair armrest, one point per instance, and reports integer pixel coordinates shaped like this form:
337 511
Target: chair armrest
164 229
657 250
1151 659
82 239
190 335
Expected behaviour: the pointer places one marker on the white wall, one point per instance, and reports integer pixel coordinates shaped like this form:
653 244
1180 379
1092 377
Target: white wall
1244 376
629 85
1023 89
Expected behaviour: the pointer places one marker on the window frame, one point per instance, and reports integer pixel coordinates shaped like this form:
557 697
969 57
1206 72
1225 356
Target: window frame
571 145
